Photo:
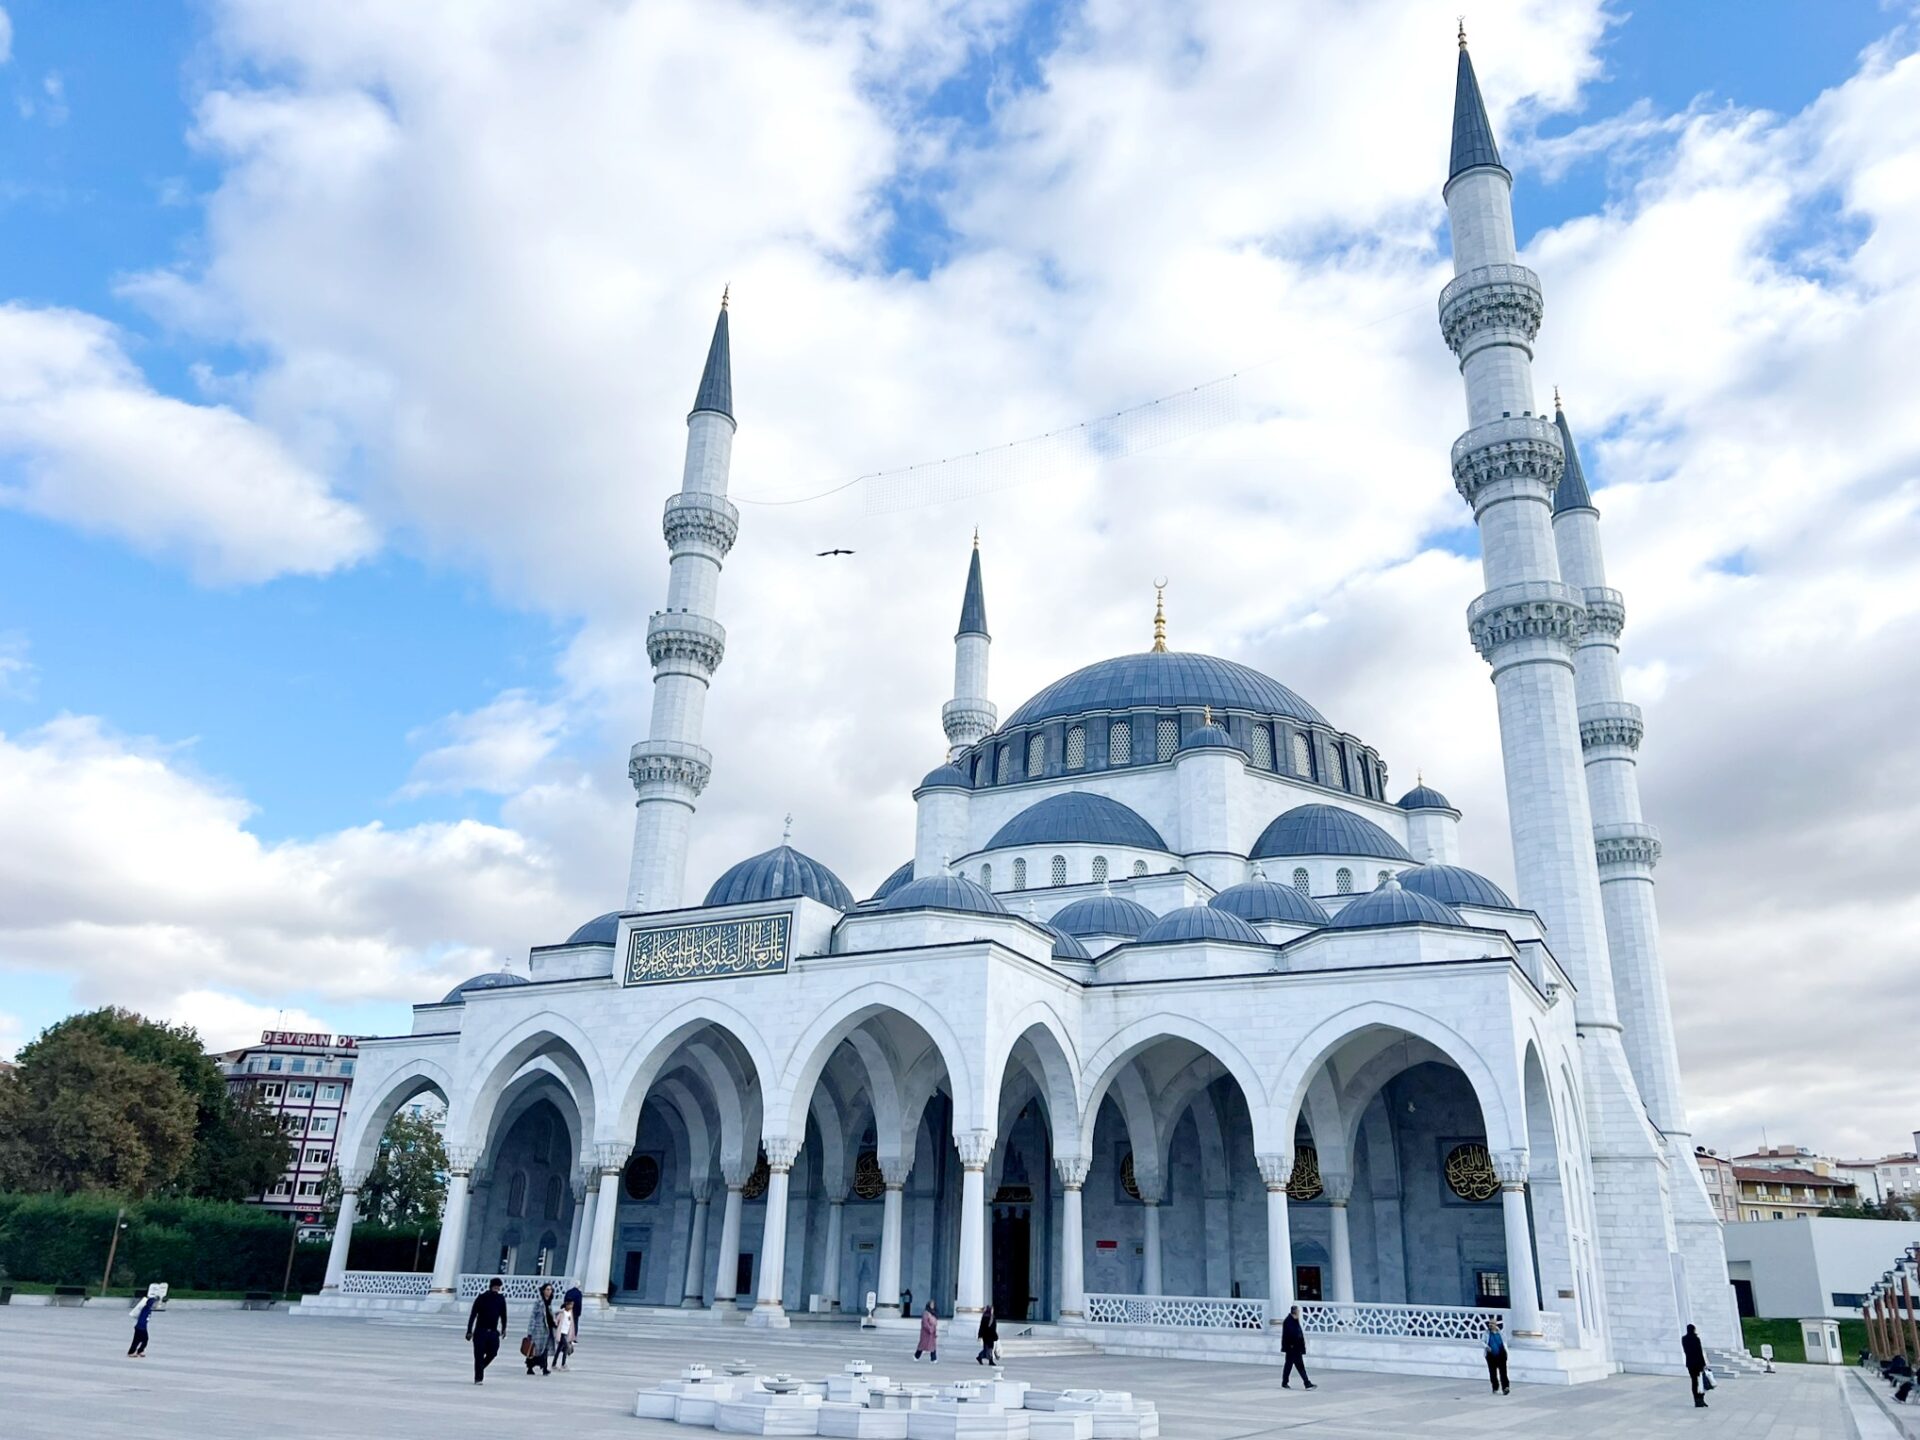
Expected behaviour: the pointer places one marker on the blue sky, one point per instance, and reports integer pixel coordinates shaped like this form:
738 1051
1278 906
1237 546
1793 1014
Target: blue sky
476 659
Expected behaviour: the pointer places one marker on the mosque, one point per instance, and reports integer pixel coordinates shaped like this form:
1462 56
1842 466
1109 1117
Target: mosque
1174 1018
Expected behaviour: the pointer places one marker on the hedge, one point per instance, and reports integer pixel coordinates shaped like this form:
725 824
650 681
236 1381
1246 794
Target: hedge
191 1244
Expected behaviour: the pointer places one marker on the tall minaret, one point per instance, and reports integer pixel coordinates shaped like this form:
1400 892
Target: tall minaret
1526 625
670 767
970 716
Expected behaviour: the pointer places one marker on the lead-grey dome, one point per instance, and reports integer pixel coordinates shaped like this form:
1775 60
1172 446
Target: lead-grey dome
1200 922
1391 905
1259 901
1326 830
601 930
1424 797
779 874
1103 915
492 980
893 882
1454 885
1164 680
943 892
1077 818
950 777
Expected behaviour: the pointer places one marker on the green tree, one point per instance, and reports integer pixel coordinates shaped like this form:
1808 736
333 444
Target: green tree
1870 1209
80 1114
408 1182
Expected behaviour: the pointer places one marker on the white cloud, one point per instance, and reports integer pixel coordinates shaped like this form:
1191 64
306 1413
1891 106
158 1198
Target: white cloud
498 748
97 447
6 38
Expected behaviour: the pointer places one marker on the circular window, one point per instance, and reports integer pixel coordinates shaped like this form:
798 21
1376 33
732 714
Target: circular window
1470 1172
641 1177
1304 1183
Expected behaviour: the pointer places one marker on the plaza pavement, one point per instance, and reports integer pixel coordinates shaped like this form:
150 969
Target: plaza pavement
223 1374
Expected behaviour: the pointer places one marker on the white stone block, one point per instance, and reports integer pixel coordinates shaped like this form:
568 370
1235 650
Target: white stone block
860 1421
1060 1425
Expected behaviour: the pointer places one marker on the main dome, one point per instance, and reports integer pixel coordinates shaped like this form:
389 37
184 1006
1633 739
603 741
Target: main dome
1163 679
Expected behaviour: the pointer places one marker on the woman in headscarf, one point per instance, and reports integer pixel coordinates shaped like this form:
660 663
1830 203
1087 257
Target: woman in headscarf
989 1337
537 1347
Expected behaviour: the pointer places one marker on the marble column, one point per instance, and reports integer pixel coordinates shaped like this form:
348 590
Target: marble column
975 1147
726 1269
609 1161
1523 1290
692 1295
1339 1190
830 1255
1275 1171
453 1220
350 1183
886 1285
1150 1283
589 1210
576 1231
768 1310
1072 1170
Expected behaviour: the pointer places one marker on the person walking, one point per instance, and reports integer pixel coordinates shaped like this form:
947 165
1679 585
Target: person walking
929 1335
989 1338
563 1333
486 1323
537 1347
142 1312
1293 1345
575 1302
1696 1364
1496 1348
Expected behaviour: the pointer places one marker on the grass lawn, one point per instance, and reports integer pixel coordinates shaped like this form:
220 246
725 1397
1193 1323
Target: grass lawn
1784 1336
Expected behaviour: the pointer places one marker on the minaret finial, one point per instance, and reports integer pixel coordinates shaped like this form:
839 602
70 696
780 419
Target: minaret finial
1556 399
1159 617
1463 32
786 828
976 529
725 291
1206 714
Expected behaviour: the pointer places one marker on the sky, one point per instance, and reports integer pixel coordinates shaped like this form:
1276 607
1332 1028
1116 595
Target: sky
345 352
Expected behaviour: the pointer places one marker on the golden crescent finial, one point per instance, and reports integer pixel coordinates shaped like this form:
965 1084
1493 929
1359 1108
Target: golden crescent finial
1159 617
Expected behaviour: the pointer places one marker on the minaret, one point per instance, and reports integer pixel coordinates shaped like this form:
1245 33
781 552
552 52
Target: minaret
670 768
970 717
1526 625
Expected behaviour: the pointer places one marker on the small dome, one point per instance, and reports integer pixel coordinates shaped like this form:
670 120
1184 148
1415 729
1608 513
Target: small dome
601 930
779 874
1200 922
950 777
1266 900
943 892
1103 915
1326 830
1210 737
1068 947
1392 905
492 980
893 882
1077 819
1454 885
1424 797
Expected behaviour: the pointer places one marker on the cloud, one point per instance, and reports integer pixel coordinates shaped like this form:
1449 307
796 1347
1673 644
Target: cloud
98 448
498 748
6 38
17 673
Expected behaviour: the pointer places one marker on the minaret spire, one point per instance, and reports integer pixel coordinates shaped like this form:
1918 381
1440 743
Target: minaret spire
1159 617
1472 133
1572 493
685 642
969 716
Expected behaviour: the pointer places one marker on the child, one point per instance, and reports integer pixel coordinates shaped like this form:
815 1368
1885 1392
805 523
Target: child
141 1313
563 1333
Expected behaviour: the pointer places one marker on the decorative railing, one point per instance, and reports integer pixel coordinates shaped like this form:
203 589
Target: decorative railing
1178 1312
514 1287
1412 1322
396 1283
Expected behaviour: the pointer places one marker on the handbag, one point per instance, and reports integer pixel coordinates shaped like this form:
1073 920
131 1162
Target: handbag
1706 1379
526 1347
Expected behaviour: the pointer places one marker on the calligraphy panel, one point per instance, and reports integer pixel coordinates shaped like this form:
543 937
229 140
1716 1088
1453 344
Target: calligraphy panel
710 951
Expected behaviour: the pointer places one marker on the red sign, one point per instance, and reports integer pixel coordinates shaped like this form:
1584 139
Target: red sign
1106 1244
318 1041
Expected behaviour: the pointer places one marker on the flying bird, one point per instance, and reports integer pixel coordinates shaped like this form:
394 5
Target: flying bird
821 555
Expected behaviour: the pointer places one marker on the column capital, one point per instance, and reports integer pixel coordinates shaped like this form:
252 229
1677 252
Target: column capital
699 1188
462 1158
1337 1188
975 1147
1072 1170
611 1159
1275 1169
578 1184
781 1152
737 1172
833 1200
895 1172
351 1181
1511 1166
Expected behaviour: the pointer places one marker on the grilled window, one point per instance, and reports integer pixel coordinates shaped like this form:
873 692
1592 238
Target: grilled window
1343 881
1020 874
1263 747
1120 743
1036 756
1301 881
1302 757
1166 739
1004 771
1077 748
1059 869
1099 868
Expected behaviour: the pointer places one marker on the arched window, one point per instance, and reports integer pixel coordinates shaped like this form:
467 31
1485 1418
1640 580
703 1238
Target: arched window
1139 868
553 1197
1166 739
517 1194
986 877
979 770
1302 756
1099 868
1059 870
1343 880
1003 771
1020 874
1077 748
1340 759
1263 747
1036 756
1120 743
1301 882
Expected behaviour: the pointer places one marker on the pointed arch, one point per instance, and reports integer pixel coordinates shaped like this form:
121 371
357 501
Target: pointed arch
1121 1050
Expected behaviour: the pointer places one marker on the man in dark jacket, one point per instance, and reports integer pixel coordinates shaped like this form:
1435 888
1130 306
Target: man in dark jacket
1293 1344
1696 1363
1494 1346
486 1322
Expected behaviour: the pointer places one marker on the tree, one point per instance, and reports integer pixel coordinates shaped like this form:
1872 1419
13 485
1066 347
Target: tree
408 1182
80 1114
1891 1208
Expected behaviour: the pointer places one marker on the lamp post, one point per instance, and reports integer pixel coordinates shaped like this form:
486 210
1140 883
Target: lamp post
113 1246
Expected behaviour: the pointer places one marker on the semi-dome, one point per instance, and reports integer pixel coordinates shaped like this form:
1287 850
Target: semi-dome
1424 797
893 882
492 980
1200 922
1104 915
949 776
1454 885
943 892
1077 819
1209 737
780 874
1326 830
1261 901
1067 947
1165 680
601 930
1393 905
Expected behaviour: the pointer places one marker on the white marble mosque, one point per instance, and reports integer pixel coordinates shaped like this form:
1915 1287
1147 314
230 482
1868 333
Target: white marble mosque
1173 1018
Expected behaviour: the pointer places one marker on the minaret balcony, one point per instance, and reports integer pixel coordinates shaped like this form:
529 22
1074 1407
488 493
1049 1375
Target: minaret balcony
1606 612
1538 614
1491 305
968 720
679 640
1630 847
701 523
1516 455
1610 723
673 768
